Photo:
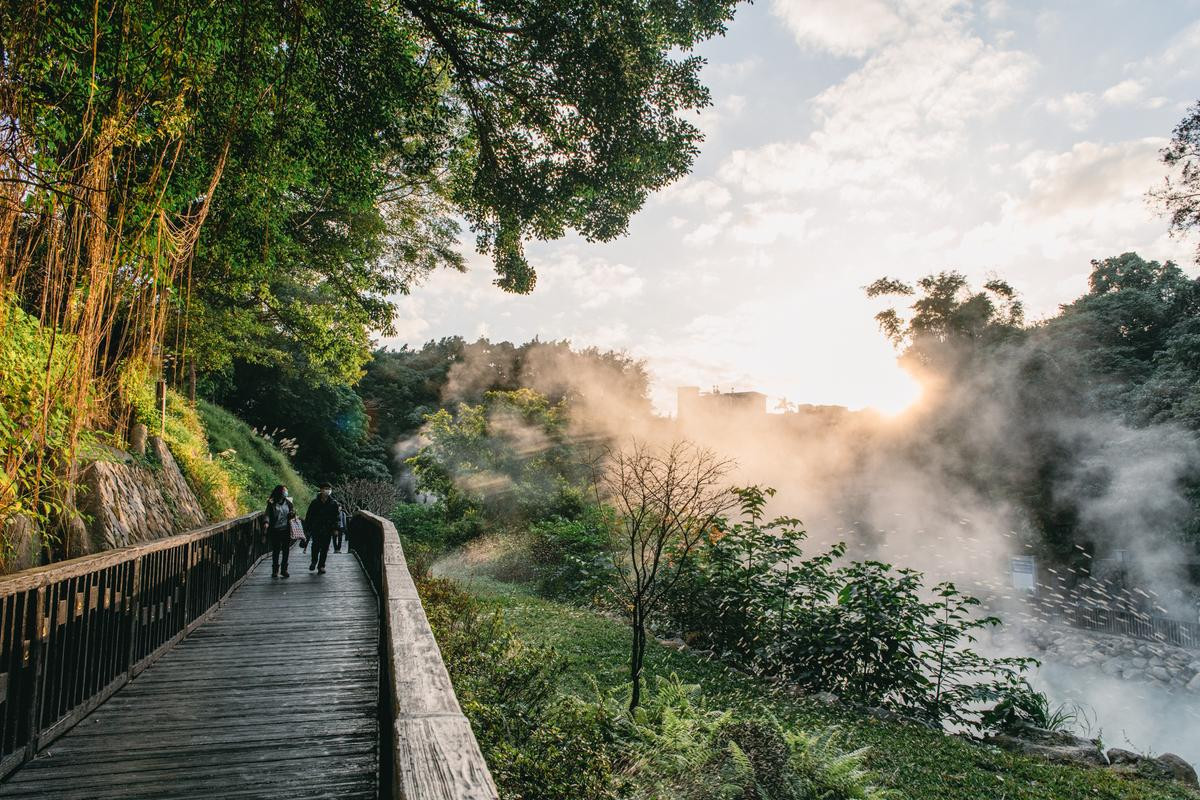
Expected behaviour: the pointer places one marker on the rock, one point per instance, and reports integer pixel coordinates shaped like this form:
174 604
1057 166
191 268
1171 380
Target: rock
1118 756
1160 674
675 643
1139 663
1079 754
1180 770
137 439
1111 667
1080 661
128 503
24 544
1134 675
826 698
1194 684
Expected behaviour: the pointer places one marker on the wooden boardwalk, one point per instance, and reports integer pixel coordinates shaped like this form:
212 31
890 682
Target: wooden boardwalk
276 696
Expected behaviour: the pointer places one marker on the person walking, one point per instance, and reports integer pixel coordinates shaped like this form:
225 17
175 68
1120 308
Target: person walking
277 520
342 531
320 522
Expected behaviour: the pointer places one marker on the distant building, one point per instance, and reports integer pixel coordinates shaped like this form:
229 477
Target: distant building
694 404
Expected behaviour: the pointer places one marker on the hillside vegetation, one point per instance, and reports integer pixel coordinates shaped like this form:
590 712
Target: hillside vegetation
915 762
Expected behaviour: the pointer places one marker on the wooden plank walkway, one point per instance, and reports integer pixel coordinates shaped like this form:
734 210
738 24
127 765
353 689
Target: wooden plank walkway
276 696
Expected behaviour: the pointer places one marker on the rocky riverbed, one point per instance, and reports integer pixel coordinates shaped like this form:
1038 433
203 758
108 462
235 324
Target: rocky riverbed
1124 658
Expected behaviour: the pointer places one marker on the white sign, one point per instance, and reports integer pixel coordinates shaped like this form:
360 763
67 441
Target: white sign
1024 573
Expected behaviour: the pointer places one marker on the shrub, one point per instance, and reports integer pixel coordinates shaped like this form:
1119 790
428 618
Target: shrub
38 421
537 744
573 557
864 630
679 748
256 464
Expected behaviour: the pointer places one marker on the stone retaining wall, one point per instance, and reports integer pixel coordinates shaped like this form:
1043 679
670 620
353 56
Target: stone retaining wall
129 501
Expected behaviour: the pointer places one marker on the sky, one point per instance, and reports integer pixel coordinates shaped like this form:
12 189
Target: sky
851 139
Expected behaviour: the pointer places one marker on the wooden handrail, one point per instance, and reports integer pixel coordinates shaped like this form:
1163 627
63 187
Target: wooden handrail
434 754
73 633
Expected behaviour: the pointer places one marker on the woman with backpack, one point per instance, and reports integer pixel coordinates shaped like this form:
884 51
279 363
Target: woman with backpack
278 518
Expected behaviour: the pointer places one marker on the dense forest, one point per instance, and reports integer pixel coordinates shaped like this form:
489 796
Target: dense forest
224 196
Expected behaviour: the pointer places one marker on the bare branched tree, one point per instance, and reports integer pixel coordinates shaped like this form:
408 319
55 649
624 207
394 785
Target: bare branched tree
667 499
360 494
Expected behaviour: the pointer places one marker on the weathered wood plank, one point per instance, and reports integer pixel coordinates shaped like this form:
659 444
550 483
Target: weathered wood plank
434 752
437 758
276 695
40 576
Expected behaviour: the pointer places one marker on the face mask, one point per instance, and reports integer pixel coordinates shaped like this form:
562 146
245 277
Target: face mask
285 495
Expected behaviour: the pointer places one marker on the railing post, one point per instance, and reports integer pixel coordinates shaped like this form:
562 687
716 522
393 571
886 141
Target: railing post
132 604
35 653
187 585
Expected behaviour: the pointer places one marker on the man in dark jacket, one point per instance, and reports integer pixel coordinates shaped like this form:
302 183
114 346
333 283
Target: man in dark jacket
320 522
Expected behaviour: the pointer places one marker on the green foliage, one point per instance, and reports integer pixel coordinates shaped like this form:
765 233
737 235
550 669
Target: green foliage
1180 193
917 762
326 420
427 531
1124 354
947 314
402 386
263 465
864 630
36 429
1022 707
536 745
510 456
219 488
540 744
573 556
679 748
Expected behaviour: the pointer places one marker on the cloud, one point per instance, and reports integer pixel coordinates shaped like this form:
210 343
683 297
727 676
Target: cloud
1077 204
733 72
1079 108
602 283
1091 175
707 232
837 26
910 103
704 192
1124 93
762 225
409 323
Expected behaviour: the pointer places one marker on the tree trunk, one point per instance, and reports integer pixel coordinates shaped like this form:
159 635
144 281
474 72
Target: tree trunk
637 653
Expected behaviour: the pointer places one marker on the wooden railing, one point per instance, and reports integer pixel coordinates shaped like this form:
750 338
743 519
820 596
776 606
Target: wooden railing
73 633
434 755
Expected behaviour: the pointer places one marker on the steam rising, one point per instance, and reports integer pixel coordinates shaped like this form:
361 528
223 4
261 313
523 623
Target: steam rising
928 489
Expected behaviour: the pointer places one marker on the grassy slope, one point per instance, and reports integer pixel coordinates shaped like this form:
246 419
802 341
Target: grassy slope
262 465
922 764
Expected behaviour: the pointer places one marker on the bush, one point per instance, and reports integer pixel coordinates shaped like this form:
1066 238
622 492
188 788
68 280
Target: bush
537 744
679 748
863 630
430 526
38 420
573 557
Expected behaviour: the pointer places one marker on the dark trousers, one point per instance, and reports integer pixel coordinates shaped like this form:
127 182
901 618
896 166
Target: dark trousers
281 541
319 543
337 540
